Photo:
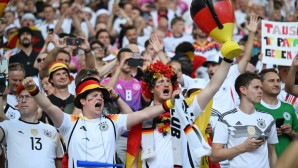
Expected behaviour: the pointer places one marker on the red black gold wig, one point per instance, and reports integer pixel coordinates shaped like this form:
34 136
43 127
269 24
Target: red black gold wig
154 72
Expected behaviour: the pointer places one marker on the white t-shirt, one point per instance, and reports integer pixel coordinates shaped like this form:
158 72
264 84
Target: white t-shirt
235 126
31 144
92 140
171 43
163 145
226 97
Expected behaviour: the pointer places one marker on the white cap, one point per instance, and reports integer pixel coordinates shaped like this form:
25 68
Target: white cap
88 10
28 16
196 83
214 58
11 26
102 11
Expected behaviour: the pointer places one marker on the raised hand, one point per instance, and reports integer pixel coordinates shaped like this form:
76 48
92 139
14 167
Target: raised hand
253 23
156 44
84 44
28 83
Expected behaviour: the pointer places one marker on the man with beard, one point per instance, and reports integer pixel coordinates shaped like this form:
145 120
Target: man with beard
270 103
27 55
60 79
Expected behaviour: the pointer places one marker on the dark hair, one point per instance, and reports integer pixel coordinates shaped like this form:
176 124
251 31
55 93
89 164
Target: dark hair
85 73
99 43
49 6
138 9
100 31
265 71
127 28
147 43
244 80
122 51
175 20
184 47
23 30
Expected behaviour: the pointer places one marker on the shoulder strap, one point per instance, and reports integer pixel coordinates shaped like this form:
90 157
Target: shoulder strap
113 127
71 134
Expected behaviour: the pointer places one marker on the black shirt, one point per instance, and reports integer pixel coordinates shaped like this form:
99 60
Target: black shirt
27 61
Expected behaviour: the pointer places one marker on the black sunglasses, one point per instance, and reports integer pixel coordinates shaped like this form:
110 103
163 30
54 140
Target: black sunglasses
40 59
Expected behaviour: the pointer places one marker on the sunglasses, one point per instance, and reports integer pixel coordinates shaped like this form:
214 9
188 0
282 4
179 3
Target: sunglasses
40 59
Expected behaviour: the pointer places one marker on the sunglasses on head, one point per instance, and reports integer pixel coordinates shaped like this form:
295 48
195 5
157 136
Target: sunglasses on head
40 59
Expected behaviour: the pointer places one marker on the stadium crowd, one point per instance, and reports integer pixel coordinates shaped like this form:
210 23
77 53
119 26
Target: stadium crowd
136 82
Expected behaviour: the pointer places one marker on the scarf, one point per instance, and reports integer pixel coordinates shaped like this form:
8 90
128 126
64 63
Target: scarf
180 120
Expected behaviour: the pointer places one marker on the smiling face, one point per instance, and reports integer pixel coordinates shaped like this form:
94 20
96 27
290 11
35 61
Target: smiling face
93 104
60 79
162 90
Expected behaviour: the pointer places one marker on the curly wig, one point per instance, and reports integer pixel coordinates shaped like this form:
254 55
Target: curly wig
154 72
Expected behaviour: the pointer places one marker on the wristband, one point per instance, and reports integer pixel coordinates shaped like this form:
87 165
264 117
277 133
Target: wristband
34 91
167 105
228 60
117 97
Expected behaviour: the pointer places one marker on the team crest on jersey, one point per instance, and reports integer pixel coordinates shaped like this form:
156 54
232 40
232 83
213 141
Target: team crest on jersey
47 133
11 115
136 86
251 130
34 132
287 116
103 126
261 123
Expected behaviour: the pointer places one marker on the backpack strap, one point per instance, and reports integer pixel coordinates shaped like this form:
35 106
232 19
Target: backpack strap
71 134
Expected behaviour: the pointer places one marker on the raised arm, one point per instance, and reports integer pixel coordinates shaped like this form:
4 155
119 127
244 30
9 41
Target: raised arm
290 81
54 112
216 81
90 58
122 105
106 68
252 27
149 112
158 48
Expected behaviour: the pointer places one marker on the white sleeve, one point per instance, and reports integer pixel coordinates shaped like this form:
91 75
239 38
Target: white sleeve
4 126
120 123
66 126
195 107
221 133
272 136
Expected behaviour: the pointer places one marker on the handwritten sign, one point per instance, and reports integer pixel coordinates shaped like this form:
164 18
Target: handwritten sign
279 42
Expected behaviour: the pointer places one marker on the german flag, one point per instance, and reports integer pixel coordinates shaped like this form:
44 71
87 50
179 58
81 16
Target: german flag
3 4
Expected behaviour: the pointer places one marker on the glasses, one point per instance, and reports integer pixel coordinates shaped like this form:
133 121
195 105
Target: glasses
40 59
24 97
